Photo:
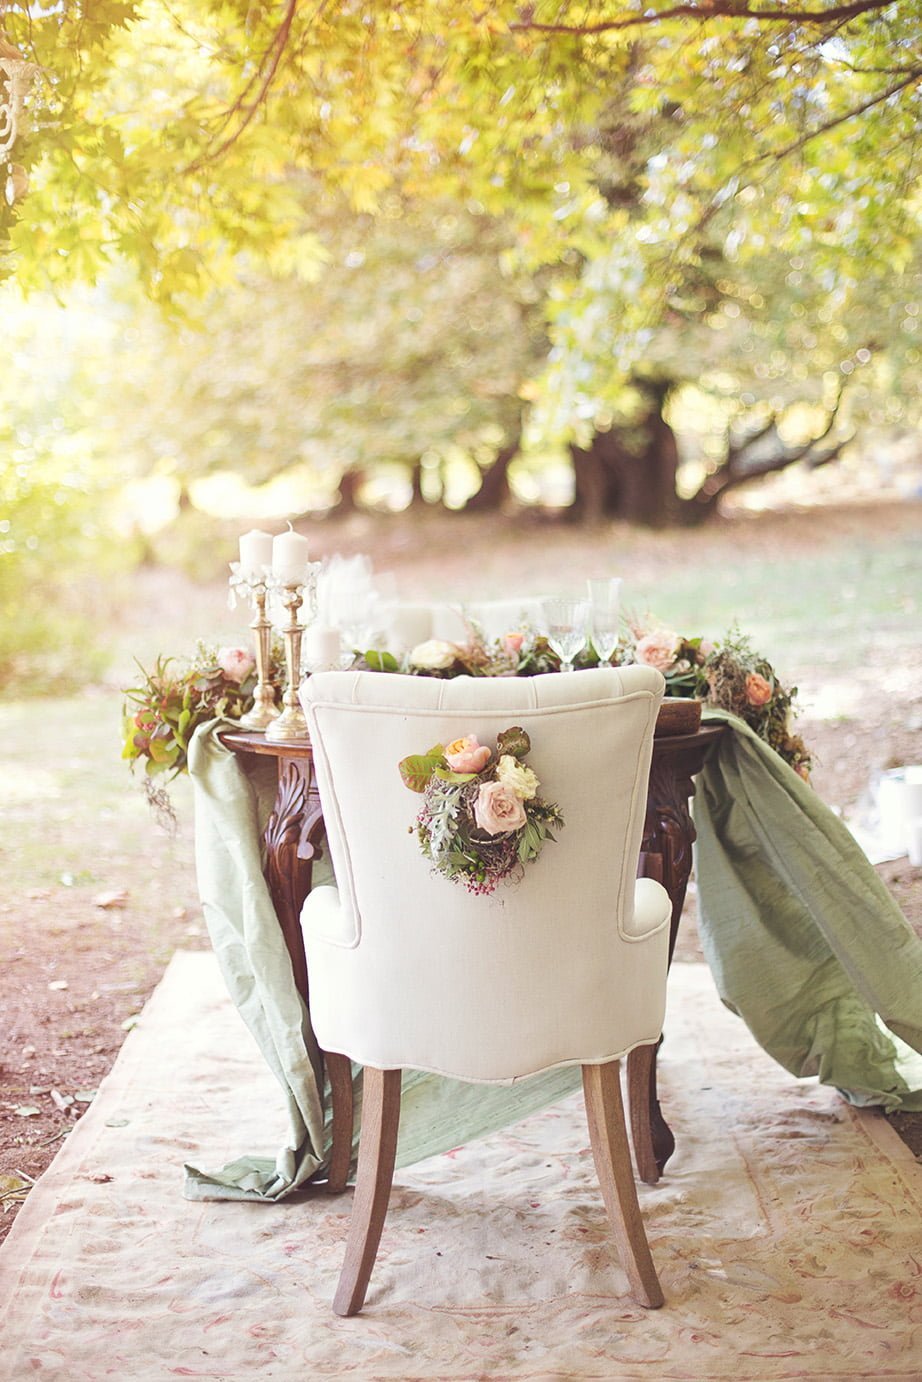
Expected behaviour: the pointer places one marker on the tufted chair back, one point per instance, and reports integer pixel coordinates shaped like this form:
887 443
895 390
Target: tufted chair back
566 965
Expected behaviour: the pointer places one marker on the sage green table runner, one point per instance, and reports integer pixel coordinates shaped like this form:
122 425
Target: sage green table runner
804 942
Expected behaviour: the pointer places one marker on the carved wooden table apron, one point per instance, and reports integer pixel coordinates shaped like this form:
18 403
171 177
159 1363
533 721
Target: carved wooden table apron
293 837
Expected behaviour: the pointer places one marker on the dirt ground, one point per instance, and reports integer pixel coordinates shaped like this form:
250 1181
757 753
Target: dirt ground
85 939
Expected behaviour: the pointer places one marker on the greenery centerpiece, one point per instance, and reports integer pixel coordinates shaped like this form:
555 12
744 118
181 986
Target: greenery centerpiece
163 711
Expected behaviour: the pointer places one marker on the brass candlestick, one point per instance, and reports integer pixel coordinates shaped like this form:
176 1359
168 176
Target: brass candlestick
255 587
291 723
264 709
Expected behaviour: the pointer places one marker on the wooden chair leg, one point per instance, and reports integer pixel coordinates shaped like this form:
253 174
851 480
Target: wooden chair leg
339 1072
377 1153
608 1135
639 1100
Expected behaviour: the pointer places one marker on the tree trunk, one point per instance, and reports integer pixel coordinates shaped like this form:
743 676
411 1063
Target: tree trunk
349 483
494 487
416 483
653 501
634 482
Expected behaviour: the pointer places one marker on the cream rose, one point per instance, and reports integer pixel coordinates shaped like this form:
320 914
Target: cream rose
658 649
235 663
498 810
758 690
467 755
519 779
433 655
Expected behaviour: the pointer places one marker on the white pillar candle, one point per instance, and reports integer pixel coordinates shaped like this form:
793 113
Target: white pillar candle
289 557
255 553
322 648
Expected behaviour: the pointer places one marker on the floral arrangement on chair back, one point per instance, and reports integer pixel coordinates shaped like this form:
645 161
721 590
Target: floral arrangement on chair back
481 819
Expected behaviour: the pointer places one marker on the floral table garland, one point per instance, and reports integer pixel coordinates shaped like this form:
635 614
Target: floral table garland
163 711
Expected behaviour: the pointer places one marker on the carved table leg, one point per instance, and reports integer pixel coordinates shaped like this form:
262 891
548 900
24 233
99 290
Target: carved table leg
290 854
666 855
292 846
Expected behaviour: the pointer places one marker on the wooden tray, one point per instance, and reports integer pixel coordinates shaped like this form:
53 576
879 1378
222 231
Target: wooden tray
678 715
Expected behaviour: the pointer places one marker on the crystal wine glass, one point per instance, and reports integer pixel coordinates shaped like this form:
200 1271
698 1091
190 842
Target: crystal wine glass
604 615
565 628
354 613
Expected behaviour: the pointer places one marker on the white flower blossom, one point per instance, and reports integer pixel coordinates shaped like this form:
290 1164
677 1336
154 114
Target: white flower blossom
519 779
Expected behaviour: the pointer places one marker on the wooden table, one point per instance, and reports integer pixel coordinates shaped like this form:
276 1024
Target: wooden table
293 843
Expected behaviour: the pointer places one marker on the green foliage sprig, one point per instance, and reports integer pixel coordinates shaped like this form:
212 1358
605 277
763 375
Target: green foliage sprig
163 712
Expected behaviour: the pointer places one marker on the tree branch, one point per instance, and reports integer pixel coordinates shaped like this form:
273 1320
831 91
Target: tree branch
268 66
705 10
913 75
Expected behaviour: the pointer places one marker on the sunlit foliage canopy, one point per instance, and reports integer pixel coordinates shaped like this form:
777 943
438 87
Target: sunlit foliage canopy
662 163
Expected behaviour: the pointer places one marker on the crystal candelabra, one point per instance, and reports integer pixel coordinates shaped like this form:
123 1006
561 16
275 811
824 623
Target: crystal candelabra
254 585
291 723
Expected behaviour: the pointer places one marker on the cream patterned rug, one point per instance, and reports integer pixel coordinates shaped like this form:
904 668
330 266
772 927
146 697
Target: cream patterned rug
786 1232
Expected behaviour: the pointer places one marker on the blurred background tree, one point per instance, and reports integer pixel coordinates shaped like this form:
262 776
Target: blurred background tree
420 253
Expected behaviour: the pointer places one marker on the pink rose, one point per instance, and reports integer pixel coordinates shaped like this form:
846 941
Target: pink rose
658 649
758 690
466 755
235 663
498 810
512 643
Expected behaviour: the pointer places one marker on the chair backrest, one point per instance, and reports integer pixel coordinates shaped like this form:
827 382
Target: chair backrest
413 970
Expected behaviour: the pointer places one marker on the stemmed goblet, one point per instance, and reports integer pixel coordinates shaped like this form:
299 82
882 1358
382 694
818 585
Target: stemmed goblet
565 627
604 615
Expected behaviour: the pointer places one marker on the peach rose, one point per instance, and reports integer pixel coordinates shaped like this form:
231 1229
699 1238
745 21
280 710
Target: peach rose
466 755
235 663
658 649
758 690
512 642
498 810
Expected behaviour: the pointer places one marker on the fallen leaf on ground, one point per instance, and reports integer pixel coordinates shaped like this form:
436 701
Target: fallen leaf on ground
85 1096
26 1111
58 984
61 1101
117 898
10 1184
13 1188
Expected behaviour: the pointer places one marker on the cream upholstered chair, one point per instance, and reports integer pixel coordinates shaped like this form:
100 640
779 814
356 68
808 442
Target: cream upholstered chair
565 966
